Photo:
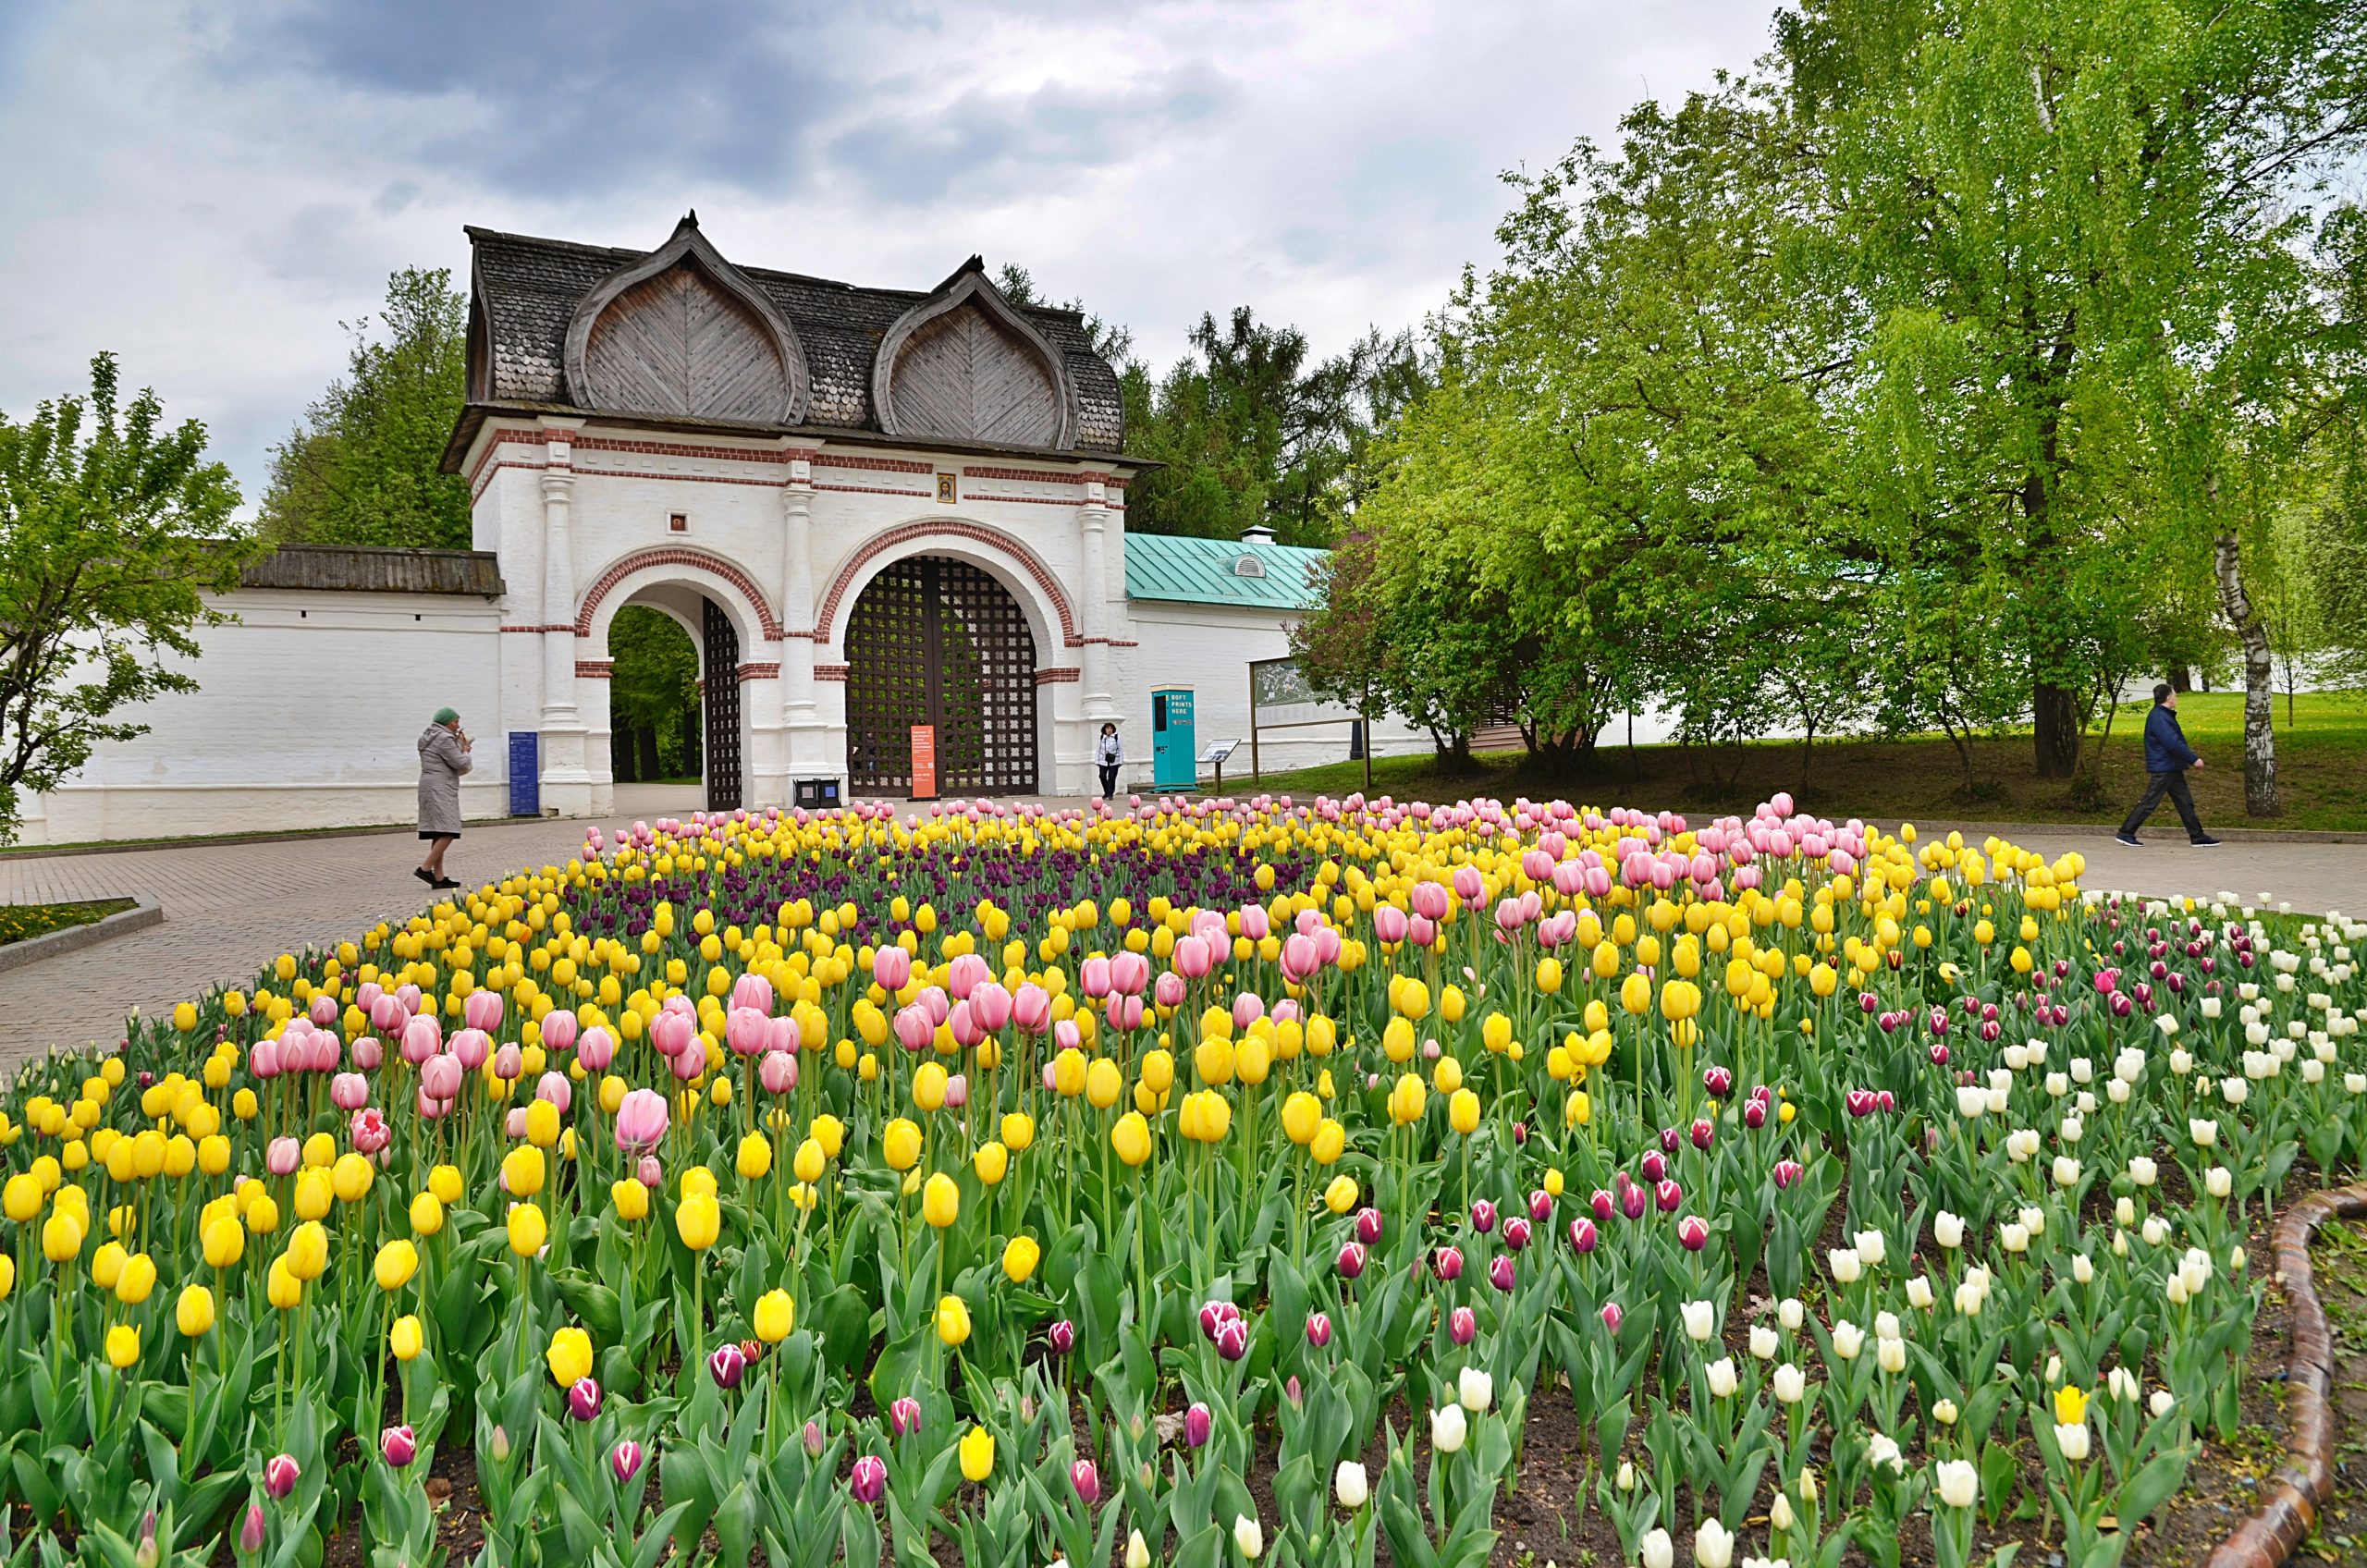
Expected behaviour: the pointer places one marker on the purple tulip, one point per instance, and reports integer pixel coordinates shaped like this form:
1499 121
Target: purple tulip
1541 1205
1197 1423
1668 1194
279 1475
1754 1114
1584 1237
1788 1172
1670 1138
1705 1132
399 1445
624 1460
904 1415
1350 1261
1718 1081
1500 1273
1061 1337
251 1530
812 1440
1613 1316
1483 1216
1087 1480
1233 1339
728 1365
1655 1166
1516 1233
1214 1314
1693 1232
1603 1205
868 1481
1448 1261
584 1399
1318 1329
1369 1226
1461 1325
1632 1202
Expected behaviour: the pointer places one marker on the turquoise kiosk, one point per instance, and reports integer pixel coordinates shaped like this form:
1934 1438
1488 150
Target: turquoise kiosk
1173 759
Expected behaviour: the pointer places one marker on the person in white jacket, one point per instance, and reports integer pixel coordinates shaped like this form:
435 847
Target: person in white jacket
1109 753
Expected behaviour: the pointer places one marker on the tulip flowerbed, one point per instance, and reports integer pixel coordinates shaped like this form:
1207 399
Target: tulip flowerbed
1199 1183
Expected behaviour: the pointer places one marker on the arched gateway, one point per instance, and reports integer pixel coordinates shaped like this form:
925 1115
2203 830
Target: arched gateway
936 641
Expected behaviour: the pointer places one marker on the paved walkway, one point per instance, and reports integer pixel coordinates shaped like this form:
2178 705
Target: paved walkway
230 908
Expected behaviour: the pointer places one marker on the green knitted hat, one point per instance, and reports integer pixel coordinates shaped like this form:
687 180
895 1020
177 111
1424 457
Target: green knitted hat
446 716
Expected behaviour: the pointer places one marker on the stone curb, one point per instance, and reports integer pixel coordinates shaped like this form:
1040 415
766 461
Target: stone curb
2303 1482
216 840
144 911
2232 837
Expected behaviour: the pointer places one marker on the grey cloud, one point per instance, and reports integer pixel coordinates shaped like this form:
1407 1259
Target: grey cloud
571 100
992 144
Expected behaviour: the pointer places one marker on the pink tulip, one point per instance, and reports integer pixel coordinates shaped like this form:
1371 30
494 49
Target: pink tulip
508 1063
650 1173
1247 1009
250 1531
914 1029
1299 962
868 1480
624 1460
1087 1480
422 1038
670 1032
557 1030
263 1061
283 1157
965 974
1093 976
1168 991
439 1077
481 1010
1613 1316
891 968
1123 1013
1193 960
279 1476
399 1445
778 1072
752 991
904 1415
1129 973
369 1131
746 1031
992 1006
1462 1324
368 1054
349 1091
556 1088
471 1047
641 1122
1469 886
957 1090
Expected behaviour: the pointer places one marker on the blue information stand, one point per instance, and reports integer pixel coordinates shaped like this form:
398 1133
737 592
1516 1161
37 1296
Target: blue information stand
525 773
1173 749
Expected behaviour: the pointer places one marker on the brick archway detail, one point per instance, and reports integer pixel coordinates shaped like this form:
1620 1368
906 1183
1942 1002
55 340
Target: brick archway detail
677 556
843 585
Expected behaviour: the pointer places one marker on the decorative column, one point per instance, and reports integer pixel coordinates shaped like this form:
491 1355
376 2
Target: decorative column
559 589
1093 523
797 597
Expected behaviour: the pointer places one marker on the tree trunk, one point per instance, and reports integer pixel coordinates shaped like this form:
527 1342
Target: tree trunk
650 769
2054 728
2260 713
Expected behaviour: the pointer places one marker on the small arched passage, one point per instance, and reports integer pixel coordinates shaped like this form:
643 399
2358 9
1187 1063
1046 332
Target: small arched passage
719 608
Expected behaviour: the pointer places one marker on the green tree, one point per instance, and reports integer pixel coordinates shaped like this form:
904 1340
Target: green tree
113 529
652 695
363 467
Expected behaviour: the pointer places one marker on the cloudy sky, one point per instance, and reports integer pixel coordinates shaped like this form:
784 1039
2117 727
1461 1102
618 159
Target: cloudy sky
209 189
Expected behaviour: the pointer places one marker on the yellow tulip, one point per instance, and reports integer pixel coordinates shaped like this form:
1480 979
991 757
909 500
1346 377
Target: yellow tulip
899 1145
1020 1255
396 1263
775 1315
123 1346
568 1356
224 1241
953 1321
1103 1083
444 1182
1330 1142
698 1220
940 1201
2070 1405
426 1215
523 1171
405 1339
1342 1195
528 1229
1018 1131
630 1198
351 1176
1406 1099
138 1278
992 1162
281 1288
1301 1113
756 1157
809 1161
1131 1138
1463 1112
977 1454
308 1250
193 1313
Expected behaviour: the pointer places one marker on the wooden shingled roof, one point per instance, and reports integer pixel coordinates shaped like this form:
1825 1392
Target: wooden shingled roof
370 569
525 293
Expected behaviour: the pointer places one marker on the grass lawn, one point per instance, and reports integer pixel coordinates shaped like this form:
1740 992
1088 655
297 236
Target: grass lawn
22 922
2321 755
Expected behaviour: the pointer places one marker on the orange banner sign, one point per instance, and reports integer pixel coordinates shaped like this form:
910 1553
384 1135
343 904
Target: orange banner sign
924 762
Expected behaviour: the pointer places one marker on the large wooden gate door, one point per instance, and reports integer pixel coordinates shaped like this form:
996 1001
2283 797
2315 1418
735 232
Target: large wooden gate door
941 643
722 694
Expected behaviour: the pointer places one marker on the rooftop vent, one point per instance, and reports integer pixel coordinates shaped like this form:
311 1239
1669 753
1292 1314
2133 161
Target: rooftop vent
1256 533
1248 565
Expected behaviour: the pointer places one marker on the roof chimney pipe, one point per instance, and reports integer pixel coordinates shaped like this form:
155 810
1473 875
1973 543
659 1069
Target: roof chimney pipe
1258 534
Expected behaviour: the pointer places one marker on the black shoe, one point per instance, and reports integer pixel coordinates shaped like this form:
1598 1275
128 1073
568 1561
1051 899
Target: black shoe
442 883
423 875
2129 838
2205 843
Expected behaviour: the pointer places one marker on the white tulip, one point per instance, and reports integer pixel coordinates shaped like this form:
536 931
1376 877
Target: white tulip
1847 1339
2211 1006
1958 1482
1971 1100
1873 1247
1843 1264
1999 1100
1790 1384
2016 1057
2083 1269
2073 1442
2219 1181
2124 1210
2162 1404
2181 1062
2057 1085
1919 1294
2122 1385
2168 1024
1883 1449
1350 1485
1947 1229
2204 1134
1137 1550
2000 1079
2235 1091
1779 1513
1945 1413
2082 1069
2143 1172
1448 1428
1969 1297
1701 1319
2117 1092
2155 1231
1627 1478
1891 1356
2313 1071
2053 1370
2176 1291
1722 1377
2022 1144
1475 1391
2033 1220
1712 1546
1791 1314
2085 1101
1248 1537
1762 1341
1658 1549
2014 1236
2066 1171
2196 1267
2355 1082
2071 1130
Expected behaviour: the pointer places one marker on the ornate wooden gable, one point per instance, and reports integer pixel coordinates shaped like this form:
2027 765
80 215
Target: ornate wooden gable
681 333
963 365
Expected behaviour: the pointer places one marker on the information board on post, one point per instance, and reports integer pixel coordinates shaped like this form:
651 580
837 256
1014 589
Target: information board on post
924 762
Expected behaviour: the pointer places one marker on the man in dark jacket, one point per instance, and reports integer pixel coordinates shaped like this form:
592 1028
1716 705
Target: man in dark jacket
2167 756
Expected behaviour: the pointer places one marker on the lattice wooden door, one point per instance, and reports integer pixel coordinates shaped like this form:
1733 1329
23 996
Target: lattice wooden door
941 643
722 709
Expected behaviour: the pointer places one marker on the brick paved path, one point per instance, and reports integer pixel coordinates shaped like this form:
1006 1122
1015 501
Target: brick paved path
230 908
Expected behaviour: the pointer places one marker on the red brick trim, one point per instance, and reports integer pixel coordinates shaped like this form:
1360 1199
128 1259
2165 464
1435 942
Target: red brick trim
595 669
561 627
1031 476
831 671
676 555
1054 674
764 671
879 490
881 465
1105 641
951 528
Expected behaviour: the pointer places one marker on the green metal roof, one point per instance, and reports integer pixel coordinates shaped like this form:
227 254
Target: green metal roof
1208 572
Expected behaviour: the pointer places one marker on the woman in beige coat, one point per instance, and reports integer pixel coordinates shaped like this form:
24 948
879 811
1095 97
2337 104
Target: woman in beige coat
443 757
